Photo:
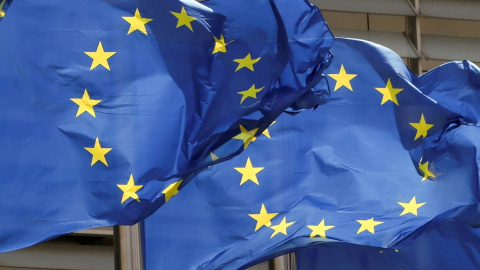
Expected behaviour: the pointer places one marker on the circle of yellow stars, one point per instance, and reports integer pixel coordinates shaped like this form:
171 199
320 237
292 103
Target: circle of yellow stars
101 57
264 218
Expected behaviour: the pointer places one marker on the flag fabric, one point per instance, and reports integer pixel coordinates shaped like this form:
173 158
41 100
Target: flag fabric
389 157
450 245
104 102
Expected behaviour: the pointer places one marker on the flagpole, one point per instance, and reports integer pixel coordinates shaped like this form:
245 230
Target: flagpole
128 247
284 262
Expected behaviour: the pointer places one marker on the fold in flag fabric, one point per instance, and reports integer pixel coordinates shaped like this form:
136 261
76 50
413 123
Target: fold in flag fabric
104 102
450 245
385 160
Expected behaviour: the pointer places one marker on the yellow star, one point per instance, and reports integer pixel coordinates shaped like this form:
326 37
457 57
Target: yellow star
281 227
263 218
343 79
247 136
266 132
171 190
368 225
249 172
98 153
410 207
184 19
85 104
100 57
422 128
424 168
389 93
220 45
319 229
251 92
137 23
213 156
130 189
2 13
246 62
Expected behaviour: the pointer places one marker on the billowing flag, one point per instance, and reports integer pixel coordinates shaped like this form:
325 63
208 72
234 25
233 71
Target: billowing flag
389 157
105 101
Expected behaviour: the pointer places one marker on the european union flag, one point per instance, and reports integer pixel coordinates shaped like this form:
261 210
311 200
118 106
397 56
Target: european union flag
387 159
105 101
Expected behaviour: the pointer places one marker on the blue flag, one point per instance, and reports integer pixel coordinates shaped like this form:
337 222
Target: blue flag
104 102
450 245
386 159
